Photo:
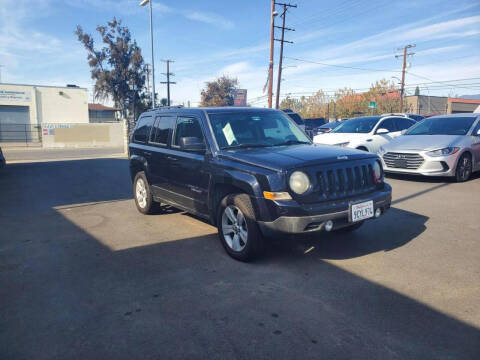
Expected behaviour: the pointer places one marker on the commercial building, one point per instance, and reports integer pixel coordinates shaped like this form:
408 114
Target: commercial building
24 108
435 105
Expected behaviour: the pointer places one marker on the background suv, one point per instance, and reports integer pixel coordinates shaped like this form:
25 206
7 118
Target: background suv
251 172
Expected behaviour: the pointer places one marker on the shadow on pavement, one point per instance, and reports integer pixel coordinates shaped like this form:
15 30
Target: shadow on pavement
65 295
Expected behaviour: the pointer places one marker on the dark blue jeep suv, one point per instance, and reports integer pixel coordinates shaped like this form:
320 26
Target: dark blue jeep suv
252 173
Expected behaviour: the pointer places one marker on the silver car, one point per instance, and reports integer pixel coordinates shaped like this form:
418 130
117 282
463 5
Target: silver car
446 145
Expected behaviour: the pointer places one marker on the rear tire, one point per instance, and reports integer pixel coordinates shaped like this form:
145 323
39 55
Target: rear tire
237 228
464 168
143 195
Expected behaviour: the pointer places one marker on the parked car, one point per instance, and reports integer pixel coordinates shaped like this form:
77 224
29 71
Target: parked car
415 117
447 145
327 127
312 124
2 159
365 133
252 173
295 117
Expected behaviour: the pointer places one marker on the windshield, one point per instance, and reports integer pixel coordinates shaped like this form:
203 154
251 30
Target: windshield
442 126
255 129
361 125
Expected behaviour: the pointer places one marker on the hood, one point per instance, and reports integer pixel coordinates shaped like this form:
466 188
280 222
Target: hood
421 142
337 138
287 157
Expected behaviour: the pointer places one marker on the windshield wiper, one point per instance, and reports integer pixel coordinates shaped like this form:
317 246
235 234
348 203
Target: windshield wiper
243 146
291 142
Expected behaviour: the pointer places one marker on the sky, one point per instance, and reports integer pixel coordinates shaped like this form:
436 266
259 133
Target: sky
337 44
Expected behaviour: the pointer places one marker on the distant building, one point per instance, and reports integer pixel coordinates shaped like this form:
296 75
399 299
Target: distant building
37 104
436 105
100 113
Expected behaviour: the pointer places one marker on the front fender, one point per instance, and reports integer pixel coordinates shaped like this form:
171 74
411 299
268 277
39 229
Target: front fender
138 163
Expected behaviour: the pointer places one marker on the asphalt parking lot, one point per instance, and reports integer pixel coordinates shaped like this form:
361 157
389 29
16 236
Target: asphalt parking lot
83 275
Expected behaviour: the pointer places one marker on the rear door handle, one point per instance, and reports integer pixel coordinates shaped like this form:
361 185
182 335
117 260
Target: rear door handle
147 153
172 158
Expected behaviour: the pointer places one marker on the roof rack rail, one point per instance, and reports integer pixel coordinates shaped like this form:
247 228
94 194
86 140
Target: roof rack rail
169 107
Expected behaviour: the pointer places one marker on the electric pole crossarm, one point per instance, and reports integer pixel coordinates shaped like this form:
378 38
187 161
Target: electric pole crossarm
285 41
279 27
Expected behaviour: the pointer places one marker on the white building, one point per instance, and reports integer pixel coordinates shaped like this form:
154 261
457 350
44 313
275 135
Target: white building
36 104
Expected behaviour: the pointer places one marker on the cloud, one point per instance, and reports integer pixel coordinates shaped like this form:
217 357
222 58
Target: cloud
209 18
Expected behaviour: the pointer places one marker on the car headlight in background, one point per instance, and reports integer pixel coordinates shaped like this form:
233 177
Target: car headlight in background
377 172
343 144
444 151
299 182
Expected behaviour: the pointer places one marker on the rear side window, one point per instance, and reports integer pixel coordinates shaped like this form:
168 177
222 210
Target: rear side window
388 124
162 127
403 123
142 131
296 118
187 127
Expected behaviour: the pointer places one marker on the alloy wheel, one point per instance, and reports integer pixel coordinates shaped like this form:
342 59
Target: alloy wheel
234 228
141 193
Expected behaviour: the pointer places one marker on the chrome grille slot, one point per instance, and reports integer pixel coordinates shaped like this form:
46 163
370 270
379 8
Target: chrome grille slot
403 160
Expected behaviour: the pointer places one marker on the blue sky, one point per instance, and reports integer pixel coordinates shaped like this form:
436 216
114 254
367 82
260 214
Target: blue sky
210 38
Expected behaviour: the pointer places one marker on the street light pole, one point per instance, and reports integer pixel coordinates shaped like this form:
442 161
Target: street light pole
143 3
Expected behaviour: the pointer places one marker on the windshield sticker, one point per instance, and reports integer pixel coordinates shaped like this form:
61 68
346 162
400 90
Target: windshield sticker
228 132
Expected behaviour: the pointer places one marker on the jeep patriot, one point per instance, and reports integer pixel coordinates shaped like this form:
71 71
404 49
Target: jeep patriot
253 173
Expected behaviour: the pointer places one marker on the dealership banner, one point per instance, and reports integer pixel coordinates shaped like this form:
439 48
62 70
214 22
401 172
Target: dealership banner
13 95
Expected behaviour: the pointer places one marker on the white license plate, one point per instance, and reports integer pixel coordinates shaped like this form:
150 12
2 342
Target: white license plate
361 211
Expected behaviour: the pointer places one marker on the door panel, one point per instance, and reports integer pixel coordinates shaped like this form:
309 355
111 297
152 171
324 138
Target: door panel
382 139
188 175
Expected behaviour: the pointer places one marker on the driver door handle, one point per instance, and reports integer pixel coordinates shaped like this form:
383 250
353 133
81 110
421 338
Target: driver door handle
171 158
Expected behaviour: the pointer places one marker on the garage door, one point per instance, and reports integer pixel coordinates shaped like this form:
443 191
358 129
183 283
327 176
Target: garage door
15 124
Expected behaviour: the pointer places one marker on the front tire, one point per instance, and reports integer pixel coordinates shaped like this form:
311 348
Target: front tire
238 229
464 168
143 195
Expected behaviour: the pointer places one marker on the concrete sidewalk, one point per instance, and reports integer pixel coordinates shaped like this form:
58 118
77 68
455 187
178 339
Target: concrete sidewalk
38 155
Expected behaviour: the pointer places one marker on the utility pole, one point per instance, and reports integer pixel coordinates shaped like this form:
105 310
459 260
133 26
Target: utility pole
168 82
404 66
272 42
147 70
282 41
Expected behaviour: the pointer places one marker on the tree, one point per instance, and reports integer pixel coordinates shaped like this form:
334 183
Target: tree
118 67
417 91
163 101
219 92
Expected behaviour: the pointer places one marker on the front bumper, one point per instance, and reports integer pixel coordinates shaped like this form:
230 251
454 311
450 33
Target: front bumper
338 213
431 166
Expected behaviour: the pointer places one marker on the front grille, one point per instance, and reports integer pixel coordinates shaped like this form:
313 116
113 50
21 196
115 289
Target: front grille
344 182
403 160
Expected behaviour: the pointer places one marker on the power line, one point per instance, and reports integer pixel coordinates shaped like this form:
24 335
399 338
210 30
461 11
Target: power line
339 66
404 66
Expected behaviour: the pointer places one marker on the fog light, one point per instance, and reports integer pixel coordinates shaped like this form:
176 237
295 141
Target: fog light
329 225
378 212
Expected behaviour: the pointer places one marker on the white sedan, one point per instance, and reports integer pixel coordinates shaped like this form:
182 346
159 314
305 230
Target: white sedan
366 133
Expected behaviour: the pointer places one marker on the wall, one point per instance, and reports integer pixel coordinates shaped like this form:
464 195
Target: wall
83 135
460 107
425 105
62 105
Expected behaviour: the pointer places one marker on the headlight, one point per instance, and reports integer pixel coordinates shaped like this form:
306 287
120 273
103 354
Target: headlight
443 152
377 172
343 144
299 182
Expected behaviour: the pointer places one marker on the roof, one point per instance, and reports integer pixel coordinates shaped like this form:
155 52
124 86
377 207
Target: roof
47 86
464 101
210 110
100 107
458 115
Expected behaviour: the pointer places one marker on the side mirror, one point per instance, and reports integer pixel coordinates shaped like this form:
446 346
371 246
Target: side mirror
382 131
403 131
478 132
193 144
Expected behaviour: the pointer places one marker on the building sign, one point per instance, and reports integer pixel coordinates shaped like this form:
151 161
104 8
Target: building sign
240 97
14 95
